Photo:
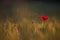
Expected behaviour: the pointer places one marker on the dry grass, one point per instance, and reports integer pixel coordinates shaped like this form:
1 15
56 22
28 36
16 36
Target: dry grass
28 30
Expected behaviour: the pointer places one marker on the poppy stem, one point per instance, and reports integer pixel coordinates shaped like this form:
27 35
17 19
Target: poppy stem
43 24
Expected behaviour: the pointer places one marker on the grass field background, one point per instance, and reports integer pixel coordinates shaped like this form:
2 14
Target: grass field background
22 22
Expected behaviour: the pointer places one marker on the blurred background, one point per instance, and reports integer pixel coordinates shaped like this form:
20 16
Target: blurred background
20 20
41 7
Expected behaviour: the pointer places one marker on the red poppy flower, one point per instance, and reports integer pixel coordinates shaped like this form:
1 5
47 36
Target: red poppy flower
44 17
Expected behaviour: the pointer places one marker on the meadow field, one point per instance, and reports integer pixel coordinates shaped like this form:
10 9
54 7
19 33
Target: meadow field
29 30
25 24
